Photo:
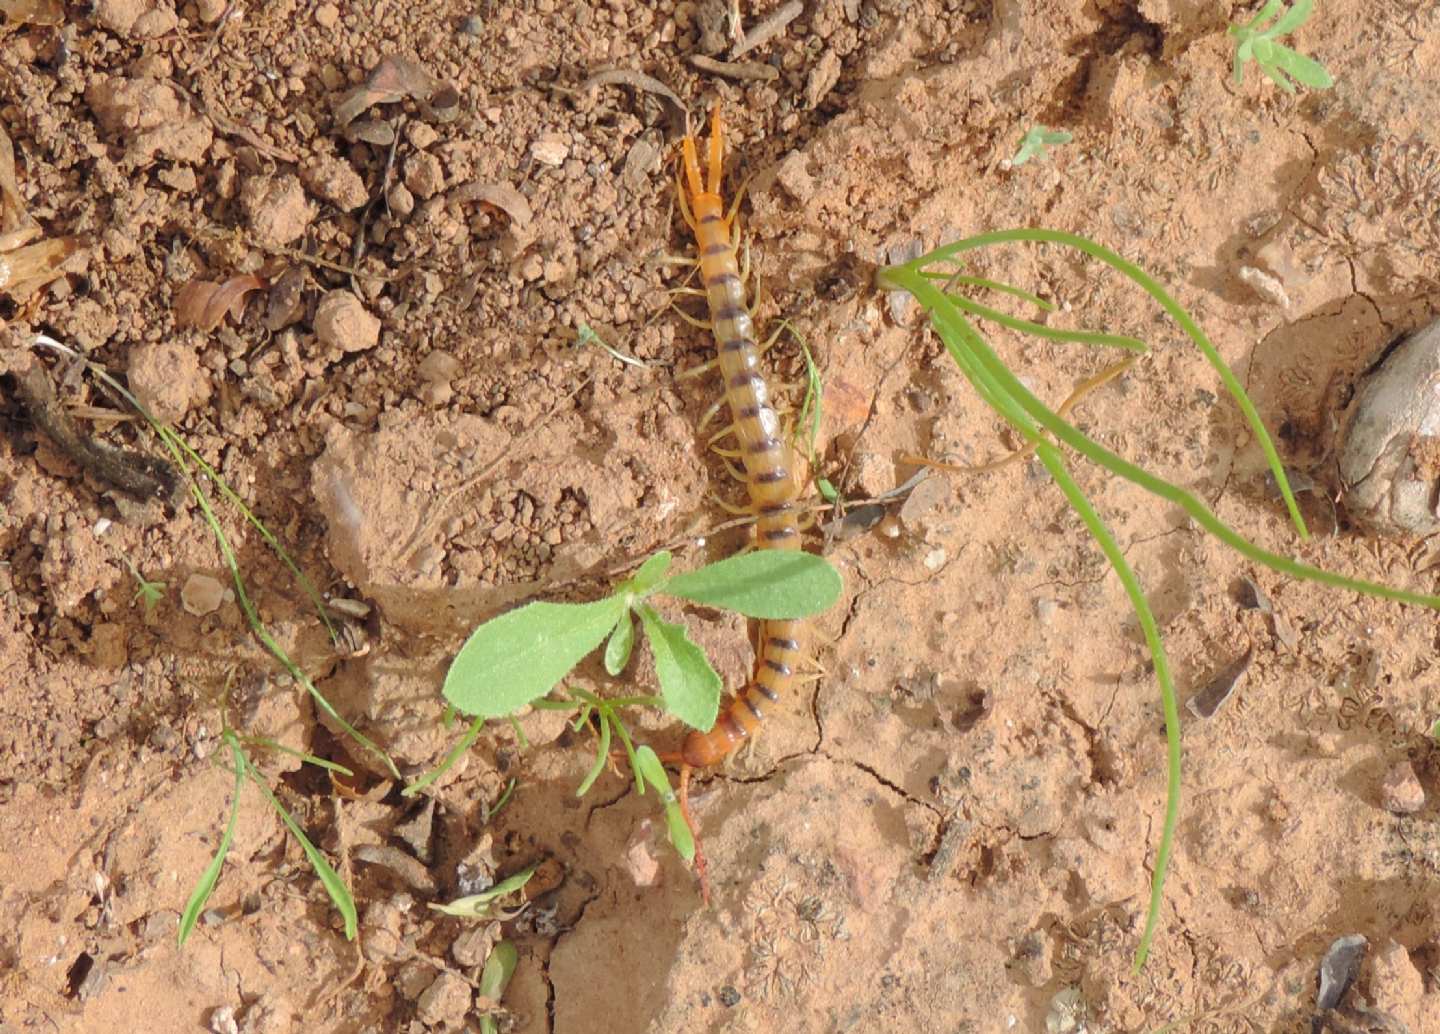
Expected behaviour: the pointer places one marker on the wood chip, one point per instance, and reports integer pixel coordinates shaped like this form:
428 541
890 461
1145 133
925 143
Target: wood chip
768 28
741 70
636 80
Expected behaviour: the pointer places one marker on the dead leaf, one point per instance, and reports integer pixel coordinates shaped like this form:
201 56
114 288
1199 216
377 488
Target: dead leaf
394 79
286 301
204 303
1213 695
497 195
13 217
33 12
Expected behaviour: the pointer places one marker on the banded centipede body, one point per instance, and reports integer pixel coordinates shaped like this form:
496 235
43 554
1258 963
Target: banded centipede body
766 456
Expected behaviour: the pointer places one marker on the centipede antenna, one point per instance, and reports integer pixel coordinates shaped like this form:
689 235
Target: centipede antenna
716 145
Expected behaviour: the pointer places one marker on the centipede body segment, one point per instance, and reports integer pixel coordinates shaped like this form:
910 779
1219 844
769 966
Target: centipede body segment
765 455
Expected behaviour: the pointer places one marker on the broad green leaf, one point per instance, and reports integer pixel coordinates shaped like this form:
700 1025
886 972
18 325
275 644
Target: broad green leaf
622 642
650 572
329 878
1307 70
520 656
211 875
653 773
767 584
689 685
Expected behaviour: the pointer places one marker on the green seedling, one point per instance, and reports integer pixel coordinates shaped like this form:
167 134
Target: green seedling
519 657
487 904
935 282
584 335
329 879
516 659
148 594
807 430
1277 61
1037 143
495 978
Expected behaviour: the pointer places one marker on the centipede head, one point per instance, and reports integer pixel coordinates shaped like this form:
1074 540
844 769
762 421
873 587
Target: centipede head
691 159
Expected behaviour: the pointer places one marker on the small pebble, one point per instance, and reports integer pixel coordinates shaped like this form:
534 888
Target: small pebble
1400 791
201 595
474 25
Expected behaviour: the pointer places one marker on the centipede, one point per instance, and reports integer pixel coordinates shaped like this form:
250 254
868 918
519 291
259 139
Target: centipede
765 454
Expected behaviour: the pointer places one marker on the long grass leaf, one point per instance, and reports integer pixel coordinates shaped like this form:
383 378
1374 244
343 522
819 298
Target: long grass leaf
201 894
1152 288
329 878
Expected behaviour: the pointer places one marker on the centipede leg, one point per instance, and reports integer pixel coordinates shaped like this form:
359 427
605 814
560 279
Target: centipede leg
684 205
689 816
702 324
731 508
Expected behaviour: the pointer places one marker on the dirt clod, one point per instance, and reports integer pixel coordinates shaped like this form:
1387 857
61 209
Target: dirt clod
167 379
277 209
1400 790
343 322
445 1002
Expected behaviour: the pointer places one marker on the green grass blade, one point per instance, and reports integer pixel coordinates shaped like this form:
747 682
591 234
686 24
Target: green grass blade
900 274
964 341
316 600
258 627
1040 330
329 879
954 280
1055 464
266 743
602 755
1075 439
455 754
203 889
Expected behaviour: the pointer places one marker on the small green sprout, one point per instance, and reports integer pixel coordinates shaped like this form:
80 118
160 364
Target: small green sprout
519 657
584 335
494 978
1276 60
149 593
486 904
1037 142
